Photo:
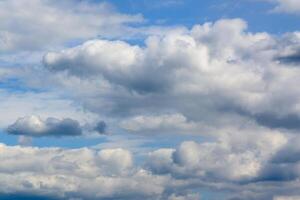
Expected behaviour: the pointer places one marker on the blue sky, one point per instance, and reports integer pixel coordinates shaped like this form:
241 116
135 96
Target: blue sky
190 12
149 99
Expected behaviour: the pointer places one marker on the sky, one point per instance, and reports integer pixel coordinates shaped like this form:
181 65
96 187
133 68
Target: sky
149 99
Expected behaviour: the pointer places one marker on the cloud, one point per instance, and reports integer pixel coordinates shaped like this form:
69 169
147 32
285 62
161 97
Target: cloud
192 81
211 80
36 127
287 198
186 197
44 104
287 6
75 174
101 127
234 167
231 158
154 124
25 25
229 166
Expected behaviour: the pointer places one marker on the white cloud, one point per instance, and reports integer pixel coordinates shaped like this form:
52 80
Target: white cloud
231 158
173 174
168 122
43 104
26 25
287 6
200 73
75 173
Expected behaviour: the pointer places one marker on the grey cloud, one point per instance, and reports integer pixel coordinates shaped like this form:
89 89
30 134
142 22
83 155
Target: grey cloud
291 121
293 59
101 127
36 127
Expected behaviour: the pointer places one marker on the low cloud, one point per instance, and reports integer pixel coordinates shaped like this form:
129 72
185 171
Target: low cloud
74 174
36 127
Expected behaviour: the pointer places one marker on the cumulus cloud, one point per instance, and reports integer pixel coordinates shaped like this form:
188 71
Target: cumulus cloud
202 81
237 167
75 174
36 127
198 73
231 158
174 174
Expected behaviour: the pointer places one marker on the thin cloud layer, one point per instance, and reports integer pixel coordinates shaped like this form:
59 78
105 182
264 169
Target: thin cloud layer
287 6
57 22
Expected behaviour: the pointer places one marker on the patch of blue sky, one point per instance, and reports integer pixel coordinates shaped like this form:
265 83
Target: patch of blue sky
190 12
15 85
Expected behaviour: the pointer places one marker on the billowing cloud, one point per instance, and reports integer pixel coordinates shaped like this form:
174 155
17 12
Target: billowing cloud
174 174
237 88
36 127
199 73
75 174
231 158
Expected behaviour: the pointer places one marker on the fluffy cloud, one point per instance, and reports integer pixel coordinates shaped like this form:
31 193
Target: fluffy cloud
199 73
87 173
75 174
231 158
36 127
250 166
233 89
25 25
